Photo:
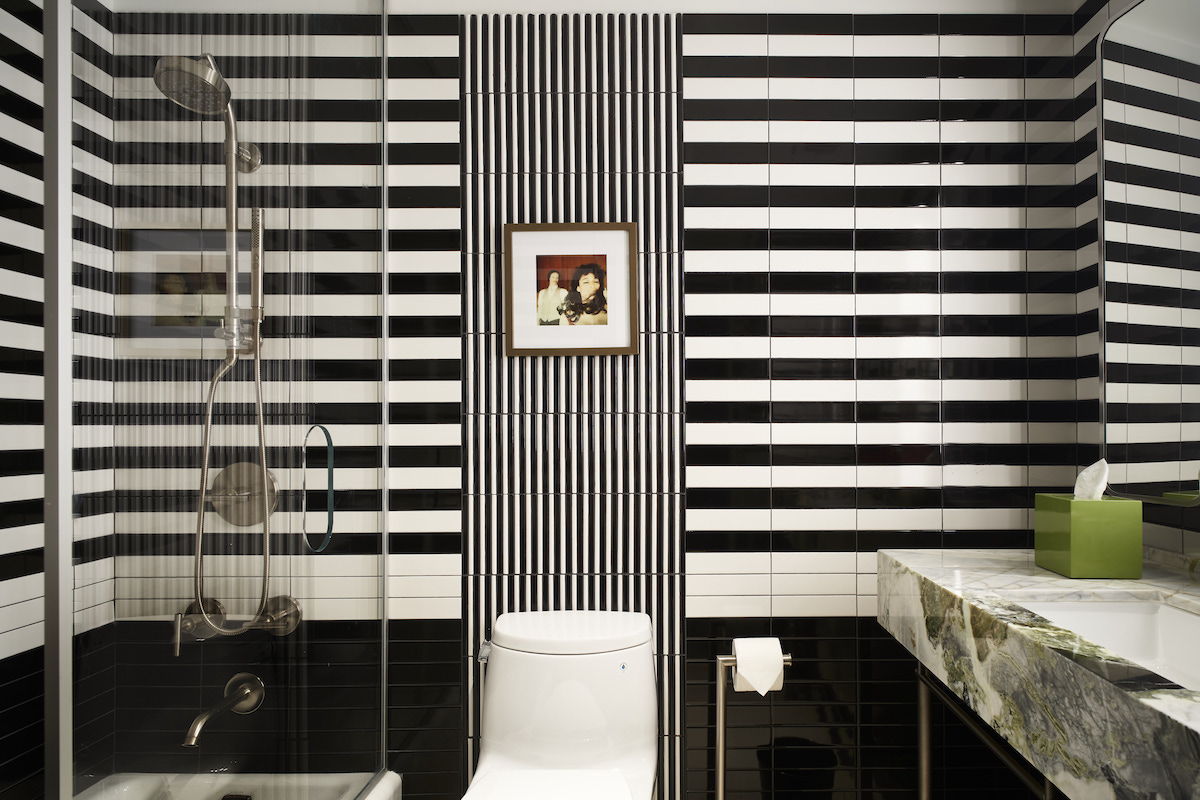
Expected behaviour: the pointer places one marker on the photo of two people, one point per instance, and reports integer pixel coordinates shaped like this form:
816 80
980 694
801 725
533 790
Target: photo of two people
571 290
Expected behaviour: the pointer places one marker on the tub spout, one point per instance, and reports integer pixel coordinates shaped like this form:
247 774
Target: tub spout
243 694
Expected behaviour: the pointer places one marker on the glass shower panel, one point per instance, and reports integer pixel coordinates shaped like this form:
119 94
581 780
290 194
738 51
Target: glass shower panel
303 615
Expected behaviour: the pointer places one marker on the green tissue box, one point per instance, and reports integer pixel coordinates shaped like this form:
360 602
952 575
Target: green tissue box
1088 538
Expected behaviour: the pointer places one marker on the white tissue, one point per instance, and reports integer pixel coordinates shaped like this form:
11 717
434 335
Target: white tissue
759 665
1092 481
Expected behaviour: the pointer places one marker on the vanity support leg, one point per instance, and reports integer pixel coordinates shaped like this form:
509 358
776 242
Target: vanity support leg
924 744
928 687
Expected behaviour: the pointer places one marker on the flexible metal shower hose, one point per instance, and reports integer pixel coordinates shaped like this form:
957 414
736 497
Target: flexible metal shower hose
230 360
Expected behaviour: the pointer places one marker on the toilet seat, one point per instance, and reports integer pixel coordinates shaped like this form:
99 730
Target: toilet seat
549 784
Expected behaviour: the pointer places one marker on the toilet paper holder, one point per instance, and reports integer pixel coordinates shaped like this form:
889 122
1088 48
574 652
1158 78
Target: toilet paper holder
724 667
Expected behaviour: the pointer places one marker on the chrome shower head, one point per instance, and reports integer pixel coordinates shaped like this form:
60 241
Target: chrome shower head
194 83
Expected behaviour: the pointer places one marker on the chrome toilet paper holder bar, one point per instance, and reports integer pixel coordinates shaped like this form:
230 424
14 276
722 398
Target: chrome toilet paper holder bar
724 665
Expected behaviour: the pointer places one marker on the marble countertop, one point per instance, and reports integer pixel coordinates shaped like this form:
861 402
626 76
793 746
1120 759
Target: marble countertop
1097 725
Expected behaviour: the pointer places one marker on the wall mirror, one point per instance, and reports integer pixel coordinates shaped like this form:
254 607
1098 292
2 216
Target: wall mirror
1149 183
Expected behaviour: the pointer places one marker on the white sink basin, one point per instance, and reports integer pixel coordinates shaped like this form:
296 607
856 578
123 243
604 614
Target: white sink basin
1154 635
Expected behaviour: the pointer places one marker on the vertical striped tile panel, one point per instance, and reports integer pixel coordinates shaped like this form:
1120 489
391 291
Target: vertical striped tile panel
21 400
573 476
306 90
424 312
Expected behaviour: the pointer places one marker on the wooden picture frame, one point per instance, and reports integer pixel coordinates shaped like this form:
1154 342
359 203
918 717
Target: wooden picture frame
570 289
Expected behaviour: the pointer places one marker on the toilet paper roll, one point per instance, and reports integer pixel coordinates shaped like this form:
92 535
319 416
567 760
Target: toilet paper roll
759 665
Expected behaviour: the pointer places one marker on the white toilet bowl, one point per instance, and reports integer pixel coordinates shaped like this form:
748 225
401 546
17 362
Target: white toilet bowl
570 708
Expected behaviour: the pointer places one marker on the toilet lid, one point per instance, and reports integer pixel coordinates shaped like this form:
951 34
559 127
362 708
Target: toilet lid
549 784
571 632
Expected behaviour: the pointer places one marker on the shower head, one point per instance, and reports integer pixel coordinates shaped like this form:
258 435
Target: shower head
194 83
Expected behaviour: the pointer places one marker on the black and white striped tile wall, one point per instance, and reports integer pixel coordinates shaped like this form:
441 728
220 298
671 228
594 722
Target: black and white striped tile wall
1152 240
1088 22
886 319
94 487
424 317
21 480
880 255
306 90
94 477
426 741
573 464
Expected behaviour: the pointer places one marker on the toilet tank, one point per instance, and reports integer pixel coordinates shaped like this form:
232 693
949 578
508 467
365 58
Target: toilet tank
571 690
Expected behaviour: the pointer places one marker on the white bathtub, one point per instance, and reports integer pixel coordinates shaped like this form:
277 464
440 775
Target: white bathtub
208 786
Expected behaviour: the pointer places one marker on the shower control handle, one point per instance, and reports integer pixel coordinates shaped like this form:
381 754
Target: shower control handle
178 632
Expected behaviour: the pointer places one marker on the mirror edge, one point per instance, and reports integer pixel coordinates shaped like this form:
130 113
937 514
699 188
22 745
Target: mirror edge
1102 411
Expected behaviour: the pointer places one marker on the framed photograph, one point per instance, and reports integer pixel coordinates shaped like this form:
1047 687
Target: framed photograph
570 289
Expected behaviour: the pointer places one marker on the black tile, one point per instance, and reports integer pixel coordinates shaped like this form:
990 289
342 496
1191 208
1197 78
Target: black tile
796 455
984 110
813 541
811 239
727 455
898 239
811 283
811 24
704 196
897 196
728 412
812 196
895 24
812 368
898 411
812 153
725 239
784 412
898 454
811 67
727 326
728 498
727 369
982 24
812 326
811 110
817 497
896 283
722 152
726 283
724 23
897 369
908 325
727 541
895 67
724 66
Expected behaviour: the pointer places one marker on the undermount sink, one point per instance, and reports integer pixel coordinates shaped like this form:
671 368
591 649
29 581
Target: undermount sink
1159 637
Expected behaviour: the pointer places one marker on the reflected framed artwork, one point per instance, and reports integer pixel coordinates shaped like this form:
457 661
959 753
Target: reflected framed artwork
570 289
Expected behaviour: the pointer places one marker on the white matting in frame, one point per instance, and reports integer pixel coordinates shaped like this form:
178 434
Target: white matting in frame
570 289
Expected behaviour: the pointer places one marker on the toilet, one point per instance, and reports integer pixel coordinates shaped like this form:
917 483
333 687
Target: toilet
570 708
